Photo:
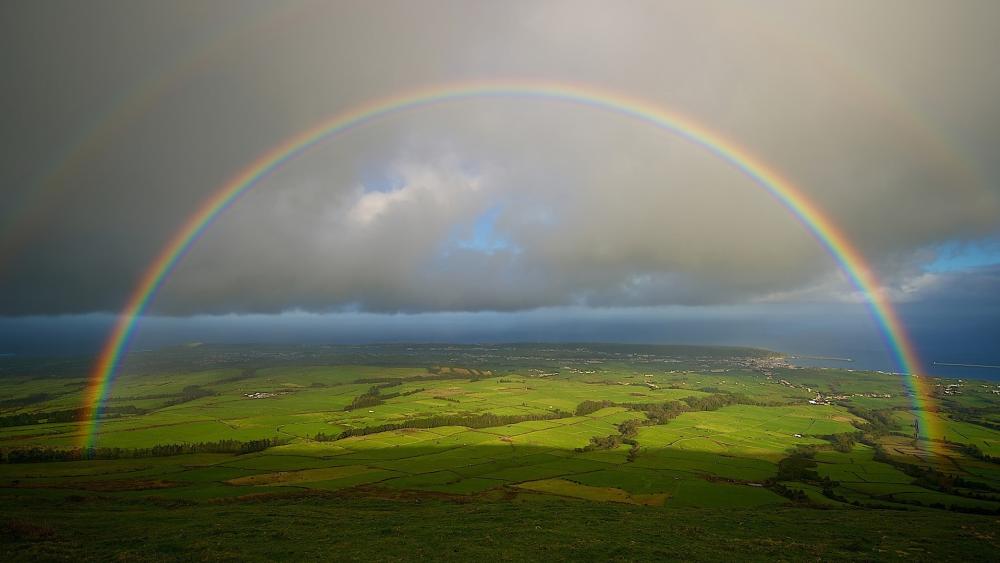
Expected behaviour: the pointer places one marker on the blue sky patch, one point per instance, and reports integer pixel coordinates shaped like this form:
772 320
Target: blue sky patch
956 256
482 237
381 179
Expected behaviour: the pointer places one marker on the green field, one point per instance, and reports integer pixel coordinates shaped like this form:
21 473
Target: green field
598 433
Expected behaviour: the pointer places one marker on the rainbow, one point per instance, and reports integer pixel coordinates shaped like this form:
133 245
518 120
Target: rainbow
822 228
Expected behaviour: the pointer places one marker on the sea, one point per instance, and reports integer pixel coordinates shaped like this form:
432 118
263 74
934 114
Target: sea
948 365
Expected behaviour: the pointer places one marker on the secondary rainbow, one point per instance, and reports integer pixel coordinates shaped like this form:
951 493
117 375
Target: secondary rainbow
21 220
822 228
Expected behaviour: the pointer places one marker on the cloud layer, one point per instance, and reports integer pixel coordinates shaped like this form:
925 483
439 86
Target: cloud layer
881 117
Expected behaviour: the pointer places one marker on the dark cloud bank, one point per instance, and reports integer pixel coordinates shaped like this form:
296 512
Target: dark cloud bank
887 119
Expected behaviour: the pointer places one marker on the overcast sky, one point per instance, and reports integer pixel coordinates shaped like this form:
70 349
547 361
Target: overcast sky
121 117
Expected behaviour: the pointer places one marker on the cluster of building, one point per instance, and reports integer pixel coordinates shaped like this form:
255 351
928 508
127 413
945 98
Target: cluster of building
952 388
261 395
821 399
577 370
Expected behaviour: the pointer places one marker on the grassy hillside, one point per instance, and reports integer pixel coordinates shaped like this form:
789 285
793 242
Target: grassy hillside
526 527
608 451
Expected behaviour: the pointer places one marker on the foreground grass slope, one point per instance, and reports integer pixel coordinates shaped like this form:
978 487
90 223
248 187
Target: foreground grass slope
527 527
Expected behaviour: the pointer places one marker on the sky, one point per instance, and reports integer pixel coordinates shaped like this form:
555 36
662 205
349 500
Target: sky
506 218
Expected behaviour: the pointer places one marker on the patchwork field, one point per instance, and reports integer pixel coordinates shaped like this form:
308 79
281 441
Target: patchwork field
629 430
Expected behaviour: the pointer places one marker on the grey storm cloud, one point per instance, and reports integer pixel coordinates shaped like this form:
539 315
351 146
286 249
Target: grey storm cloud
879 115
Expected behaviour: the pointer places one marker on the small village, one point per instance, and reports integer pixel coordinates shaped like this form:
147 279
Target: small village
262 395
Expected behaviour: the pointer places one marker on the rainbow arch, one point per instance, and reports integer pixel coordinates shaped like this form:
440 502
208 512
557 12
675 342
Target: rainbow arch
818 224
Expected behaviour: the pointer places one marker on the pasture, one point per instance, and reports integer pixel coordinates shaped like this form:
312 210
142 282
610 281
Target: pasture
628 435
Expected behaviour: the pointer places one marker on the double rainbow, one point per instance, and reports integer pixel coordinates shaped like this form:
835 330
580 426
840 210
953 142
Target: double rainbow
849 258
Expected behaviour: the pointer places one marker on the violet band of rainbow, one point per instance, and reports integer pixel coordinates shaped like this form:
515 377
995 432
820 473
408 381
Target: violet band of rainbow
817 223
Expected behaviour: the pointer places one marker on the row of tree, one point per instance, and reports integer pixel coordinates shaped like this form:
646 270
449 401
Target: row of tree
67 415
32 399
795 495
843 442
188 394
37 454
608 442
880 422
659 413
482 420
627 432
590 407
374 395
656 413
877 422
432 377
663 412
973 450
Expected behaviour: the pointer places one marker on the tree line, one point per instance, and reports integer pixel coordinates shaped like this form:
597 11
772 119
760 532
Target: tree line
432 377
843 442
188 394
627 432
877 422
656 413
32 399
67 415
374 395
973 450
662 412
483 420
590 407
880 422
36 454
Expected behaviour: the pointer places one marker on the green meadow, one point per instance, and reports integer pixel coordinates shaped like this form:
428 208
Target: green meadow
245 457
